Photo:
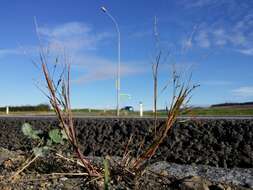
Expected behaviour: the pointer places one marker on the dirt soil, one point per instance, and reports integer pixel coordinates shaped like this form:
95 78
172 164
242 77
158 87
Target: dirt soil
218 143
53 172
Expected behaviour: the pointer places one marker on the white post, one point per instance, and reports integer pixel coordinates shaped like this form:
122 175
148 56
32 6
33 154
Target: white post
141 109
7 110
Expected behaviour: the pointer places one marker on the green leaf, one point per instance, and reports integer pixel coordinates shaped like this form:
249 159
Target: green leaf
40 151
45 148
26 129
29 131
55 135
49 142
64 135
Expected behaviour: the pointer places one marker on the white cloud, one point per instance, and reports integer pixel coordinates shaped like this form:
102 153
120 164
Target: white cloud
73 36
5 52
141 34
103 69
216 83
227 24
188 44
220 37
212 4
68 29
246 51
238 38
82 43
197 3
202 39
244 92
237 35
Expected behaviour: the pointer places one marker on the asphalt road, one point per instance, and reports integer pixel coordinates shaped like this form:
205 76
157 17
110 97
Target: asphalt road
145 117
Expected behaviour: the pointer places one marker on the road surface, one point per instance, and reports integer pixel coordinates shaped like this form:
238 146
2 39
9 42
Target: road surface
144 117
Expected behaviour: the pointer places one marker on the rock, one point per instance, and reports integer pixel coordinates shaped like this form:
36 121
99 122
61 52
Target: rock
249 182
8 156
7 164
216 187
4 154
236 176
219 187
194 183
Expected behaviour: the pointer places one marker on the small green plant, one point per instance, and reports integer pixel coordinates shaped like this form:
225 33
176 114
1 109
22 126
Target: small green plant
56 136
30 132
44 146
106 174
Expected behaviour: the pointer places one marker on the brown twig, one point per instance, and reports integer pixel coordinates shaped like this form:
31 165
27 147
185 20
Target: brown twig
14 176
70 160
127 152
181 94
60 101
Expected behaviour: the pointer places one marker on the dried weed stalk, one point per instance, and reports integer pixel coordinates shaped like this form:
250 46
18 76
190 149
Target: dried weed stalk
58 93
181 96
60 101
159 58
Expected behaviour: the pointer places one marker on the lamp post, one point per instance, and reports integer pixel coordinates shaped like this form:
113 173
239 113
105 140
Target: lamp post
118 69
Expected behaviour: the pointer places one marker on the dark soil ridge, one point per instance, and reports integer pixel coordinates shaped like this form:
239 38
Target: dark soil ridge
41 174
220 143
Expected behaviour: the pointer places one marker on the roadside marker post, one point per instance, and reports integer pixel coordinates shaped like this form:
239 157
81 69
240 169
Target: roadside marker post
141 109
7 110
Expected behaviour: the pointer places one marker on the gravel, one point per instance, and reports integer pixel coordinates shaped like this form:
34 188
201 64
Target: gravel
235 176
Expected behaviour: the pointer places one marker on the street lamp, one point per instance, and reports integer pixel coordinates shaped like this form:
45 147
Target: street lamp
118 69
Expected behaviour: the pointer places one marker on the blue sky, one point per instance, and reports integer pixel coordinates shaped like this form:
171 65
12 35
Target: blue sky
212 37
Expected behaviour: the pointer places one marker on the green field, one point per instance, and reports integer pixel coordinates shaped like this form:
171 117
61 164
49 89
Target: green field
230 111
221 111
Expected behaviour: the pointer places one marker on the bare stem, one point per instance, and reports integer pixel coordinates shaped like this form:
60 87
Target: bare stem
180 96
60 101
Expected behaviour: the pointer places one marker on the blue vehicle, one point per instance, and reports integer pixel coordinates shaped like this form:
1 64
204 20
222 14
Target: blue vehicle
128 108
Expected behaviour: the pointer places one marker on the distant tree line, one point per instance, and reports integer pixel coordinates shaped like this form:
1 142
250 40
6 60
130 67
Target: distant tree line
233 104
40 107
